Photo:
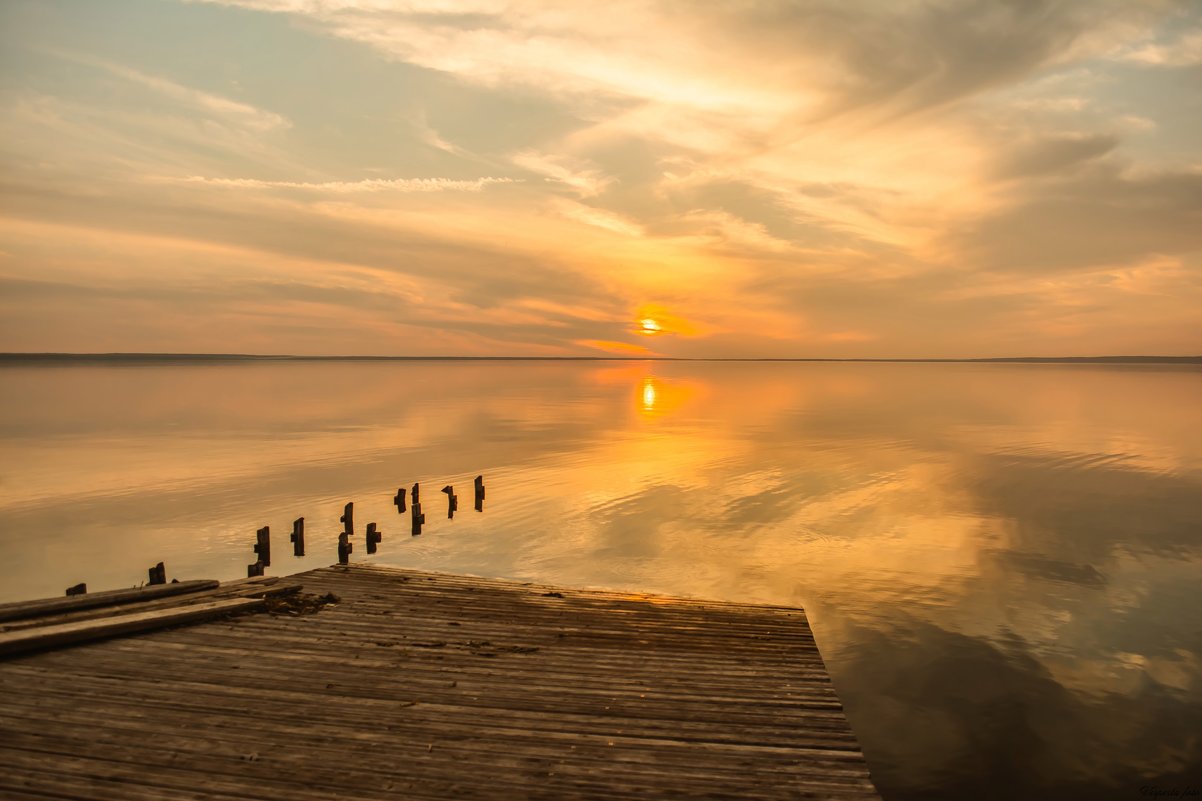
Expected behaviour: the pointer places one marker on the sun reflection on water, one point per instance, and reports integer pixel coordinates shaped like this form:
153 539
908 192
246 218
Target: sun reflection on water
649 394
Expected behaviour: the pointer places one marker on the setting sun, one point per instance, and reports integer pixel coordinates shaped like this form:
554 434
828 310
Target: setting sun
649 326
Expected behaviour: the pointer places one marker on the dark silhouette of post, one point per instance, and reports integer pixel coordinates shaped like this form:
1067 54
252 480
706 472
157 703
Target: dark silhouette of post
399 501
263 545
298 537
78 589
415 509
479 493
452 500
254 569
158 574
348 519
373 537
344 548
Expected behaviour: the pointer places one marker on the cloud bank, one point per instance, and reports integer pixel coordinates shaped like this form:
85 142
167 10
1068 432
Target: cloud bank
816 178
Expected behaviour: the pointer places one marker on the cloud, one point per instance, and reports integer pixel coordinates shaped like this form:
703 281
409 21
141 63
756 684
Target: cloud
351 187
1055 154
1097 219
207 103
586 181
598 218
614 347
434 139
768 56
1182 50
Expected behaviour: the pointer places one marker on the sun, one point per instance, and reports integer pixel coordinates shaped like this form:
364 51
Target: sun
649 326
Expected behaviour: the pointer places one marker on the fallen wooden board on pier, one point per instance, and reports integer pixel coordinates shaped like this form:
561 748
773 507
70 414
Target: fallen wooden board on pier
51 606
41 637
427 686
201 592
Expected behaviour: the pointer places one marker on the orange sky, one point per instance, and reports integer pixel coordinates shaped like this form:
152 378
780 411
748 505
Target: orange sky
524 177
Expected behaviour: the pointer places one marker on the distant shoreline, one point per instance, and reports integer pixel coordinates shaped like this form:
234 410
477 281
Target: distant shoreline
150 358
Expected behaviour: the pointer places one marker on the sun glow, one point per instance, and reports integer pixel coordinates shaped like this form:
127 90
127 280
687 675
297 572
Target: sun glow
649 326
648 395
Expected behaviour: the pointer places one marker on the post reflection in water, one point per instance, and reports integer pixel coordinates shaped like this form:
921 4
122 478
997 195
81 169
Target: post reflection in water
1001 562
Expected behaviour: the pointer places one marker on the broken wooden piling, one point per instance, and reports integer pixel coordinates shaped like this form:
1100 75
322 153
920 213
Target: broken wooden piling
158 574
415 508
263 545
298 537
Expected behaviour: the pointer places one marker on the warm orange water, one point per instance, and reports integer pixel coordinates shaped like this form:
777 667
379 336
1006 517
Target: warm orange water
1002 563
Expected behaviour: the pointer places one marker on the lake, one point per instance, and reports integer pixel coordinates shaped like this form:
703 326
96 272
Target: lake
1002 563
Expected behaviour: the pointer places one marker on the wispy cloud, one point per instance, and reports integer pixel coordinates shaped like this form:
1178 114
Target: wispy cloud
599 218
585 180
244 114
433 138
350 187
1184 49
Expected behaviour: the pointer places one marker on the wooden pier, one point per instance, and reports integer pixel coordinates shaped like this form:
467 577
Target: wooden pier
429 686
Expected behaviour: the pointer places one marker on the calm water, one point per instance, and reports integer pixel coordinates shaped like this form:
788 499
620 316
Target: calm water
1002 564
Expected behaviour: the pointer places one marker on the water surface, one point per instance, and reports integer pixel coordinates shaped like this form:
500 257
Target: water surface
1002 563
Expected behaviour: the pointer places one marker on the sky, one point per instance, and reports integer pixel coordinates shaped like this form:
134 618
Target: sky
735 178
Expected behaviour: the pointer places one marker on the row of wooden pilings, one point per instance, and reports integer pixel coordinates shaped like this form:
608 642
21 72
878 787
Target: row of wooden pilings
372 535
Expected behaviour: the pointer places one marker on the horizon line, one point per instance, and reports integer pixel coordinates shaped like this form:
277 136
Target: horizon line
135 356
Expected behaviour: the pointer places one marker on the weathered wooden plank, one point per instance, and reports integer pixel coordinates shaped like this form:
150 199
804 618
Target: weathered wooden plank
310 691
354 771
315 732
49 606
472 715
366 572
394 674
322 740
199 660
20 641
357 751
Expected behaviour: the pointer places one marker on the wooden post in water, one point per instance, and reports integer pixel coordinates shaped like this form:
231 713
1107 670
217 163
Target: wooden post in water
399 501
263 545
298 537
78 589
373 537
348 519
415 508
479 493
344 548
254 569
452 500
158 574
